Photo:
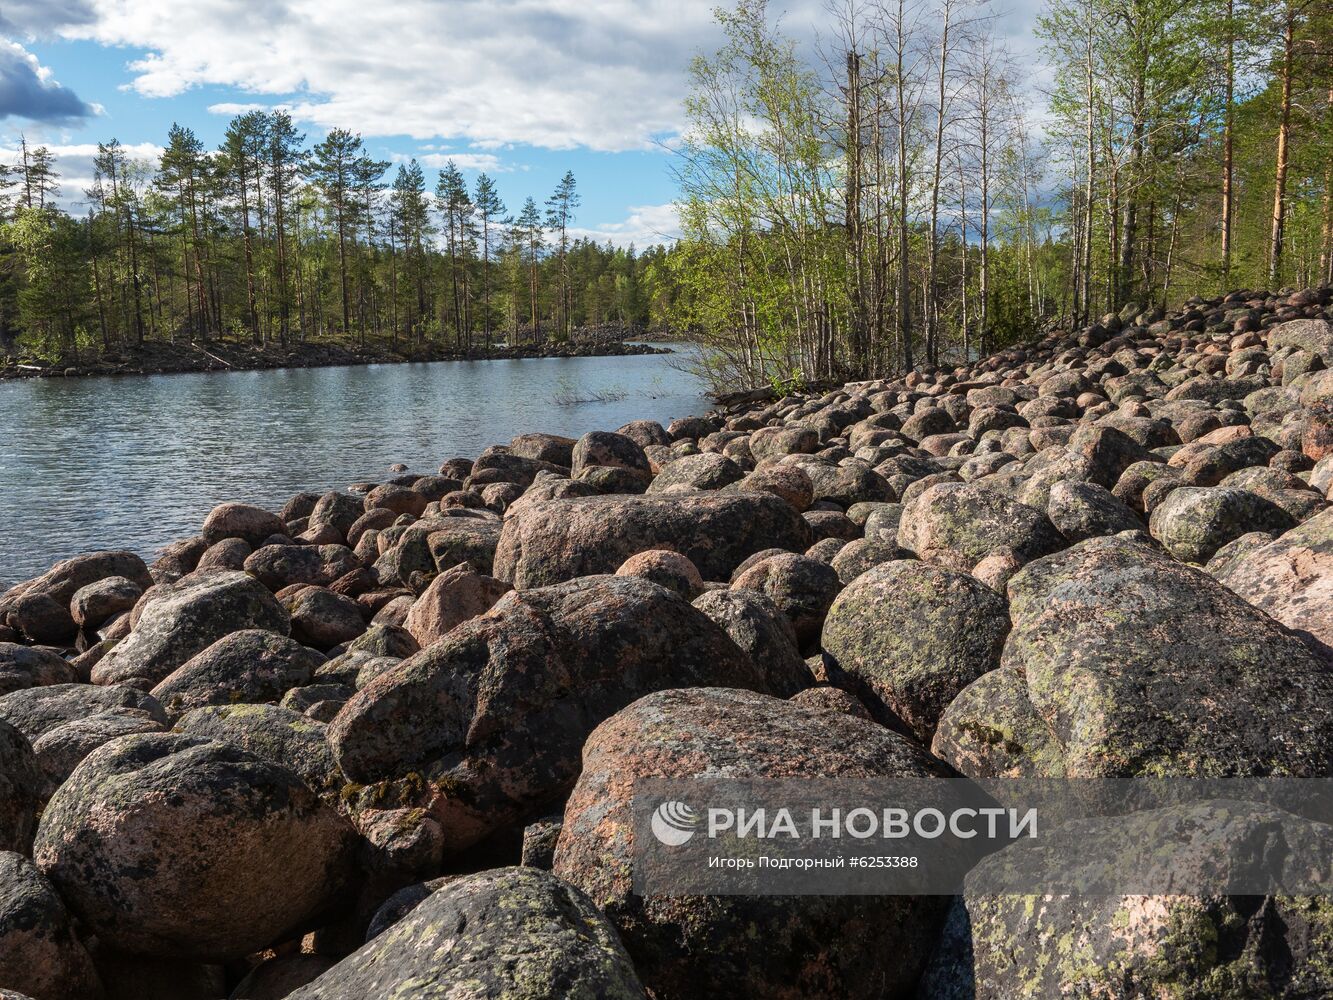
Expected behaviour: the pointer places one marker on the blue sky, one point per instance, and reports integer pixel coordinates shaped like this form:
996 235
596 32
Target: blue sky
524 89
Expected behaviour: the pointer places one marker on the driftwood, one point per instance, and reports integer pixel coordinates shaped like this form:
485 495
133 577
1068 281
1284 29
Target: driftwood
209 354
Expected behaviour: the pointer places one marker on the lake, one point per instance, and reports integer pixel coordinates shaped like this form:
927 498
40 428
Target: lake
137 462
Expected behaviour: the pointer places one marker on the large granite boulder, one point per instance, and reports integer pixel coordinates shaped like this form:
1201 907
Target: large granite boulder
742 946
562 539
239 520
1123 662
244 667
62 580
30 666
762 631
1192 523
496 712
1215 947
179 620
169 846
20 790
451 599
959 524
39 952
1291 578
276 734
910 636
503 934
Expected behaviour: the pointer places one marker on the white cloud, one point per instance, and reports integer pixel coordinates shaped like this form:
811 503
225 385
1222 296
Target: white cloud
646 225
230 109
605 74
74 165
488 162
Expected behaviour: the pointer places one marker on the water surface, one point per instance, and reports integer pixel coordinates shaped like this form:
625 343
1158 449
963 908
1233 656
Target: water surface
136 462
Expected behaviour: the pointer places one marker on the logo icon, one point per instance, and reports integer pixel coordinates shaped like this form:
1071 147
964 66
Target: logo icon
674 823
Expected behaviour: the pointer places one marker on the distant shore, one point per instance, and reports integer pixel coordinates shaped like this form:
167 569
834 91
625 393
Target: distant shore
213 356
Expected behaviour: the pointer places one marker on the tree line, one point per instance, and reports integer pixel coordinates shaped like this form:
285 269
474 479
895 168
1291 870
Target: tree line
270 240
910 194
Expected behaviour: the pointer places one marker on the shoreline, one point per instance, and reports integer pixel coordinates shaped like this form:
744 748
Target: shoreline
191 358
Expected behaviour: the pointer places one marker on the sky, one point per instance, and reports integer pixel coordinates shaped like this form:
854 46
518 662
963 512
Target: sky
523 89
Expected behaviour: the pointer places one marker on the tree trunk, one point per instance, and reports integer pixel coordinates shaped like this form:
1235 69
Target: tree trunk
1275 243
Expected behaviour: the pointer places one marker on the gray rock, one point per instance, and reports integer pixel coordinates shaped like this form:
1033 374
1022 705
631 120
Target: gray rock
244 667
1085 510
959 524
169 846
20 790
1192 523
509 934
911 636
1123 662
179 620
278 735
39 952
498 710
28 666
742 946
562 539
800 587
762 631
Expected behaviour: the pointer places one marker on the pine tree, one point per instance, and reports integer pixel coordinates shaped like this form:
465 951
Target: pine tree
559 217
489 210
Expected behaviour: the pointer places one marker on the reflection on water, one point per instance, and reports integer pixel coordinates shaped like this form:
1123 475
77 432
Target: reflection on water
135 463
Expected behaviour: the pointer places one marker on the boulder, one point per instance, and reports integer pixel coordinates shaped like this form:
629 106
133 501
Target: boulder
20 790
708 471
789 482
616 451
959 524
559 540
278 566
275 734
323 619
1085 510
179 620
62 580
280 977
451 599
761 630
508 934
910 636
62 748
39 952
1192 523
1123 662
742 946
230 553
42 619
36 711
1291 577
800 587
30 666
332 517
862 554
495 713
1024 947
666 569
244 667
239 520
169 846
544 448
97 603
